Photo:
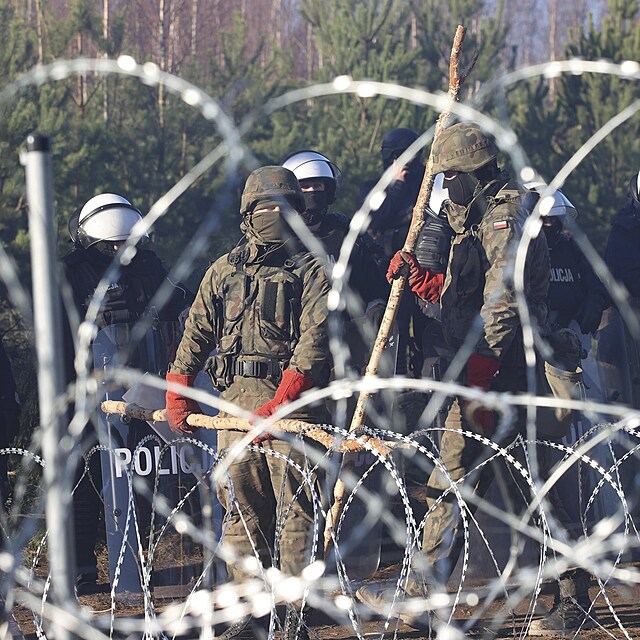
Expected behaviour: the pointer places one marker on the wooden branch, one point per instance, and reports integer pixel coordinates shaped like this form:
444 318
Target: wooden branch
309 430
456 80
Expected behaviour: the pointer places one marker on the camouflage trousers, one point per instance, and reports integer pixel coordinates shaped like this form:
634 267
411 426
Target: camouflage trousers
461 458
272 510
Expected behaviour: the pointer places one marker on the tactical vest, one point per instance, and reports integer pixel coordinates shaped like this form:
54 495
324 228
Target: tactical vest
464 288
258 327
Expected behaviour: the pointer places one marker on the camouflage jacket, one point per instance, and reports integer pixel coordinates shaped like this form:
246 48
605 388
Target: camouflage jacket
256 308
479 283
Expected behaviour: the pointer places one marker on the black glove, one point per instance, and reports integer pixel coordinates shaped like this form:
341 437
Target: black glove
590 315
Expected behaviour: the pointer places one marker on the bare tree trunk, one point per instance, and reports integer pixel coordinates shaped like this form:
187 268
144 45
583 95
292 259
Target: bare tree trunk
277 20
553 24
162 43
194 26
81 82
40 31
309 52
105 55
456 79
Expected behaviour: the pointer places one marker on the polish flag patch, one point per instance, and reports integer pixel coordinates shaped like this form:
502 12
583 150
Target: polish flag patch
501 224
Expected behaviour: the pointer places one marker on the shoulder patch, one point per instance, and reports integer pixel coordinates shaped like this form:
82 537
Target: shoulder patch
501 224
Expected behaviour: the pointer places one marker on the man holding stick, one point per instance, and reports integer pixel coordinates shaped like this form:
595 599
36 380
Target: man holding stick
263 308
480 313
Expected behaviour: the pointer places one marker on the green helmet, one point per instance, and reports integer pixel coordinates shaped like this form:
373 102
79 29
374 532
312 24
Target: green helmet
463 147
271 183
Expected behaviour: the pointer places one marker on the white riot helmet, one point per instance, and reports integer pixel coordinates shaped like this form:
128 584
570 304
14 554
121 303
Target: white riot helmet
439 194
107 216
555 205
310 164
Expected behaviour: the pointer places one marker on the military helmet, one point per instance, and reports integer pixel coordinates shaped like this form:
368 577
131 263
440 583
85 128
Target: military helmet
463 147
271 183
395 142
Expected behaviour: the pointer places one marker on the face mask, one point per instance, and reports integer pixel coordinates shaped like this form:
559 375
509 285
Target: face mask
267 226
552 232
316 205
461 188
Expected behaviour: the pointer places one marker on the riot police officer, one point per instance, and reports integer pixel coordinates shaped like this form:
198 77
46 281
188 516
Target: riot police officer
575 291
367 290
97 231
262 307
389 226
9 416
623 247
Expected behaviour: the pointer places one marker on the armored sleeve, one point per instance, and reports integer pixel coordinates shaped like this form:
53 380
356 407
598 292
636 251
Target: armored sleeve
311 352
200 332
500 313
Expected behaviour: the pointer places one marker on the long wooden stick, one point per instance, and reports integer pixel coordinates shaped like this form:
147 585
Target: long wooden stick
456 79
310 430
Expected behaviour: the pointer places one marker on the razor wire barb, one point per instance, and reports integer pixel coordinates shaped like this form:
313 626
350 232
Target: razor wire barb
604 450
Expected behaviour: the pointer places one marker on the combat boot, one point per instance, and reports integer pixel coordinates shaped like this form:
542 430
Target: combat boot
408 602
569 612
247 628
295 625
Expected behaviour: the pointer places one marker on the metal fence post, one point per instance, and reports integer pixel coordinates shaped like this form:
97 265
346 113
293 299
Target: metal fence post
51 384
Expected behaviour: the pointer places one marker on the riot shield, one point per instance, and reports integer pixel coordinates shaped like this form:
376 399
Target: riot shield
141 463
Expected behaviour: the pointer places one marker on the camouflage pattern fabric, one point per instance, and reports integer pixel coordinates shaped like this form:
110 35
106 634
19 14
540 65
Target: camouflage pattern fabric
479 277
462 147
260 311
269 183
269 307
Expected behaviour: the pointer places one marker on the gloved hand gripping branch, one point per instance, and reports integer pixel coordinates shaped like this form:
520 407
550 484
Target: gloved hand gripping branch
178 406
292 385
426 285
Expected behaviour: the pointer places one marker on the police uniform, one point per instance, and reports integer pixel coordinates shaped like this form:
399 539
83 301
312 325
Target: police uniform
388 228
125 301
574 288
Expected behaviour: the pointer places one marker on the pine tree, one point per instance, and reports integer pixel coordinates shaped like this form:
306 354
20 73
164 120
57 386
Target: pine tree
587 102
370 40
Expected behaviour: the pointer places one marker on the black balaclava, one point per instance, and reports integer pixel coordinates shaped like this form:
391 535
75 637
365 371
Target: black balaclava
461 188
552 231
316 205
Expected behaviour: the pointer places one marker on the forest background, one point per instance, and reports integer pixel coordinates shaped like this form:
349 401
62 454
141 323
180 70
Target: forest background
112 133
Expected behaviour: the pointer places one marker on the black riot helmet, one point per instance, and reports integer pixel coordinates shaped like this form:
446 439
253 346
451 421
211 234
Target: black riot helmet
395 143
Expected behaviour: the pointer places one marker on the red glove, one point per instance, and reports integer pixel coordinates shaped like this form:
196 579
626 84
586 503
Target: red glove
179 407
426 285
292 385
480 372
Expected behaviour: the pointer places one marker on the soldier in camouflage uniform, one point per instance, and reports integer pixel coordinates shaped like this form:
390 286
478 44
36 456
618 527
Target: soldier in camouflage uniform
487 217
262 307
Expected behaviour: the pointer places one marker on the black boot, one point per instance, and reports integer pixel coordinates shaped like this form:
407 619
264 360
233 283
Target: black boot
569 612
247 628
295 625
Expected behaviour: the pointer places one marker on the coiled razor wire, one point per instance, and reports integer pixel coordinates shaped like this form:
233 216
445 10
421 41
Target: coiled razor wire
335 596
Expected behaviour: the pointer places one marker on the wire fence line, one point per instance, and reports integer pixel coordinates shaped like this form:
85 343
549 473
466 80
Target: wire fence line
168 529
